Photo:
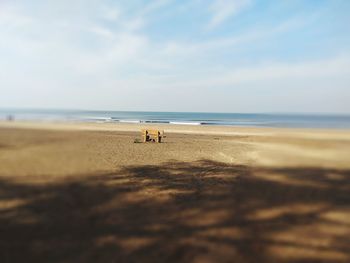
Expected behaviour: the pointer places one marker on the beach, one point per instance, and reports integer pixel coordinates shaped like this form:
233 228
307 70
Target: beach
85 192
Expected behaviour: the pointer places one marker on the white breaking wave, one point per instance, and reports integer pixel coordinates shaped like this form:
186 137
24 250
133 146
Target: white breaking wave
185 123
130 121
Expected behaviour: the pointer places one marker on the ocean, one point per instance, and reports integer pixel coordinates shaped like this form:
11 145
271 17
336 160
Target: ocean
184 118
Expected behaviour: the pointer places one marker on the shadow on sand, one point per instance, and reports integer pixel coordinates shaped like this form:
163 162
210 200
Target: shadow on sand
179 212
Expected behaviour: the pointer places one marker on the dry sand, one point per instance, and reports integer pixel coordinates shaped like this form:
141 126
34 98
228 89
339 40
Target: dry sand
74 192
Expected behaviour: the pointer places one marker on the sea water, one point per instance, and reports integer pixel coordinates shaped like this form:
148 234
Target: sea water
184 118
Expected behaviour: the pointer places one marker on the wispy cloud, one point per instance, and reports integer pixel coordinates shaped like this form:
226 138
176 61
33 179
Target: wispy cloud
154 5
331 68
248 36
111 13
224 9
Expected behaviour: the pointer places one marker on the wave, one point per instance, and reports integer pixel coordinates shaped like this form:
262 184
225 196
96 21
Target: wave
93 118
185 123
157 122
129 121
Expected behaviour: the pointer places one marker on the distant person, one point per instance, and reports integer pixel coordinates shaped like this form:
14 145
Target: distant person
10 118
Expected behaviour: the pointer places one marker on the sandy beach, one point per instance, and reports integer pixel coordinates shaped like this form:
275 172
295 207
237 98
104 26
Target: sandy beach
85 192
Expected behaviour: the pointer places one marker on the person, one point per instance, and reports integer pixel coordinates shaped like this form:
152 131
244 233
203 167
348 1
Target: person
10 118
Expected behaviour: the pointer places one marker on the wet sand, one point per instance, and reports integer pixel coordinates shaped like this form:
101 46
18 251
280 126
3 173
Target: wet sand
73 192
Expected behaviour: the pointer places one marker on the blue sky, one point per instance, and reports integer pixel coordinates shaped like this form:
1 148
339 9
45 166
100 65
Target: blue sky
174 55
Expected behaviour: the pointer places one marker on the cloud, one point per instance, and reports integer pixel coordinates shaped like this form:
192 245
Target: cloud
332 68
11 19
307 86
101 31
153 6
111 13
335 69
249 36
110 52
224 9
122 54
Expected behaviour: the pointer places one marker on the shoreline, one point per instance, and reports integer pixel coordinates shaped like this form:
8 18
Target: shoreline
308 133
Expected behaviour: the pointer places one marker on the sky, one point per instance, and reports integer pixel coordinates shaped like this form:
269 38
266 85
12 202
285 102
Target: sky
176 55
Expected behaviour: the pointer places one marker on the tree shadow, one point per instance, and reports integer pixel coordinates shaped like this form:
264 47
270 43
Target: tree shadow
179 212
